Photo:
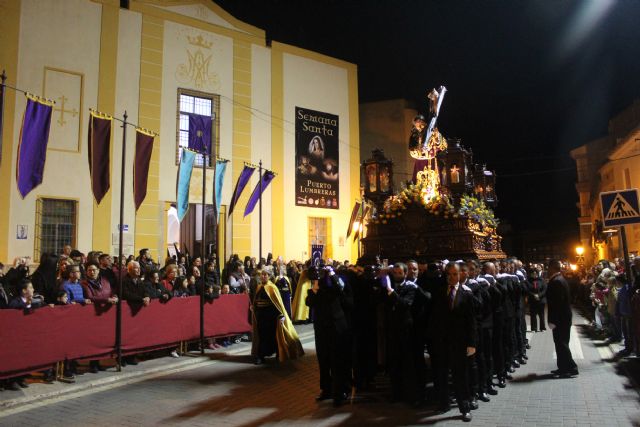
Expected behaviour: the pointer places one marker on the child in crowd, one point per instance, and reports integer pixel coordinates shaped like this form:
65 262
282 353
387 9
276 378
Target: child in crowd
62 298
182 288
72 286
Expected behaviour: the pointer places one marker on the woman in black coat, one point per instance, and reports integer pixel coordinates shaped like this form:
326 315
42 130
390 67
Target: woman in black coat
44 278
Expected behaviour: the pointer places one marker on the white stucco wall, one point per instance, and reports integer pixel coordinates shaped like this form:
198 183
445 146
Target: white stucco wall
63 35
323 87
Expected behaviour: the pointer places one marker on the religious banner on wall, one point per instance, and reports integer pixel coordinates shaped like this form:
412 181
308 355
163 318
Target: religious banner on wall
317 159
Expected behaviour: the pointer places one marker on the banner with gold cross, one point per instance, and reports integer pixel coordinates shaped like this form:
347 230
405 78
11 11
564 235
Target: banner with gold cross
65 88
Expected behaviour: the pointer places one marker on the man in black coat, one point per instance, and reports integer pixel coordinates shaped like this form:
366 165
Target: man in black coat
405 303
133 289
366 296
453 336
559 319
331 301
135 294
497 338
106 263
537 300
484 319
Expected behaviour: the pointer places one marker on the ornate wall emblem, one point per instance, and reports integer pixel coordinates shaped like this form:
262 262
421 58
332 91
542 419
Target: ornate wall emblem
196 70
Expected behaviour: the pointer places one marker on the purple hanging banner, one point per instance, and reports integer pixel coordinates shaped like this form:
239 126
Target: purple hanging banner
243 180
200 133
32 149
267 177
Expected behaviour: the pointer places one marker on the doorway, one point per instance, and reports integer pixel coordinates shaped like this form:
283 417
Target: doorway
320 234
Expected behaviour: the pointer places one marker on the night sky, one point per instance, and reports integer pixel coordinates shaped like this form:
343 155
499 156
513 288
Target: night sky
527 80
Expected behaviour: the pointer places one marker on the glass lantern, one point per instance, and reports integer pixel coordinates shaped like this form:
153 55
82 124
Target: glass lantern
378 176
485 185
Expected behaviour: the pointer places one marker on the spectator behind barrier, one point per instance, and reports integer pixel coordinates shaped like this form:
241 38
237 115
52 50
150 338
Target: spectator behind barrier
72 286
97 288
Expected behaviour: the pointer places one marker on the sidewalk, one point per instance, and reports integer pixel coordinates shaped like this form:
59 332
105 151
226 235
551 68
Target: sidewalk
42 393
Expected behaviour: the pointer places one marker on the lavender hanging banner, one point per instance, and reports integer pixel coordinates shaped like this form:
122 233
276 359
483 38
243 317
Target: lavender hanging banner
267 177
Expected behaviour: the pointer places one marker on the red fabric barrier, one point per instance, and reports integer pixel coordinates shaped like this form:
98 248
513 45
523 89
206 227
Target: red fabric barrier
228 315
160 323
36 340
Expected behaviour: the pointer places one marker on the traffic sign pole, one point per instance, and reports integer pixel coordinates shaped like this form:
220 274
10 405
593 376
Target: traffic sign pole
625 250
620 208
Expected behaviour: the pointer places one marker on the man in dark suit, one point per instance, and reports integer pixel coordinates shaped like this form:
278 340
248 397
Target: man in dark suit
559 319
332 301
453 335
497 341
537 300
135 294
405 303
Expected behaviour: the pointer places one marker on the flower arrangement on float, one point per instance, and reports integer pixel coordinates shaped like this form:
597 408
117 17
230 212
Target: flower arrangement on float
421 194
477 211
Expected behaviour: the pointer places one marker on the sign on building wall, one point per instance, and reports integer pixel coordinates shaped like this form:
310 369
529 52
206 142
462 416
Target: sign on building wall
317 159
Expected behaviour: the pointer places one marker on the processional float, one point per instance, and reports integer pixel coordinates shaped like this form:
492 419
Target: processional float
443 212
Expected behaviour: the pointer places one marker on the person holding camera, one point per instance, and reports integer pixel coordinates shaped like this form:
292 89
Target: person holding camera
331 301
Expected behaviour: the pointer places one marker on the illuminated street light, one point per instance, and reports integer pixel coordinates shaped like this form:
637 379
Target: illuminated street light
579 250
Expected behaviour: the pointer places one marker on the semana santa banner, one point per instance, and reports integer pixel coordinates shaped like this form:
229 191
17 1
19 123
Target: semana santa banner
317 160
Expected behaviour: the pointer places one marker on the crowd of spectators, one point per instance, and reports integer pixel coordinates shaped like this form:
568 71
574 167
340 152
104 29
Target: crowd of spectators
73 277
611 298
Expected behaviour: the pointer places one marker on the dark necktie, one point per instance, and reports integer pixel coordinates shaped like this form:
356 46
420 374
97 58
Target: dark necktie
452 296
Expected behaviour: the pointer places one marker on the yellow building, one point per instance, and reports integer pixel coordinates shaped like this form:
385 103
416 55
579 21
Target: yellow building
607 164
158 59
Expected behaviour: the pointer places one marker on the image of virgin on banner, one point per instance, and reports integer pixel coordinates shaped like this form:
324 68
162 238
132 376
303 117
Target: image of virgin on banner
317 159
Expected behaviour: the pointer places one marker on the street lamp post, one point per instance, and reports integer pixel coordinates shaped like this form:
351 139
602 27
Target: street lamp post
580 256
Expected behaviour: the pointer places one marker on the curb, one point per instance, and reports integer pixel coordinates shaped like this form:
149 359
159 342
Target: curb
25 403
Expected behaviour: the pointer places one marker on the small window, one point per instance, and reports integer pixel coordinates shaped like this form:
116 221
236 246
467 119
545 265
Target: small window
627 178
192 102
56 222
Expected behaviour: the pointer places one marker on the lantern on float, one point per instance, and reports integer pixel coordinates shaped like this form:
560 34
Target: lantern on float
484 185
457 173
378 177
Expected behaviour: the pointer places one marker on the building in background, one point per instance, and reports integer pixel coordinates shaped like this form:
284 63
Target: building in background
606 164
387 125
161 60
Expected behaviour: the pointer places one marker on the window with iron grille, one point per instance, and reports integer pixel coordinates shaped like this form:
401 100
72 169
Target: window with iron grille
56 223
193 102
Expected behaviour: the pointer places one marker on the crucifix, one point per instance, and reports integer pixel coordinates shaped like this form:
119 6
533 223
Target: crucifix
63 99
455 174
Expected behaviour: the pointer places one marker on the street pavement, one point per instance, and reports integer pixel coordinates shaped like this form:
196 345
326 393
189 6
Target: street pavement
226 389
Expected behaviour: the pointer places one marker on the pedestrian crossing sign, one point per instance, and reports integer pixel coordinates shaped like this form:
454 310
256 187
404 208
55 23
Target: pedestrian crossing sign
620 207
